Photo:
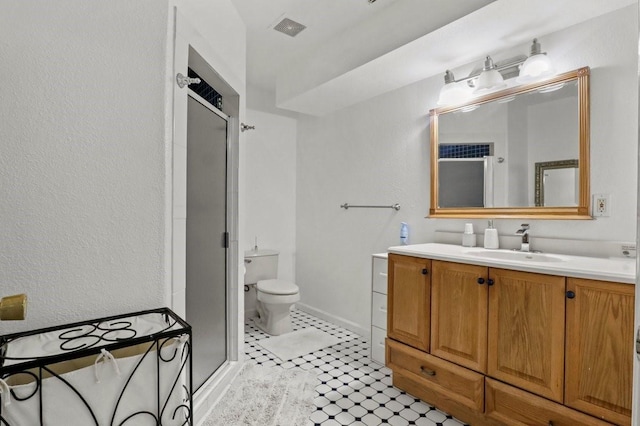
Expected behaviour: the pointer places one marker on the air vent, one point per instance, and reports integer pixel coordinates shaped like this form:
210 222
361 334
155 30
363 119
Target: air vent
289 27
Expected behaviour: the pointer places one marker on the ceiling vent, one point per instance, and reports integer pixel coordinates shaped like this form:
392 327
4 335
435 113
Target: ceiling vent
289 27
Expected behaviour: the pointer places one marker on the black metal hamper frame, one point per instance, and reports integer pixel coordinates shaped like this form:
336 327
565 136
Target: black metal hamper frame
73 345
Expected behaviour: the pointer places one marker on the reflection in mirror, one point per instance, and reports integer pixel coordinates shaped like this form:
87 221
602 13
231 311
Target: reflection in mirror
557 183
486 154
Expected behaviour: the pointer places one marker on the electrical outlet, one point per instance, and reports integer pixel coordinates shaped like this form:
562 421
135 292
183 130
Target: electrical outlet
601 205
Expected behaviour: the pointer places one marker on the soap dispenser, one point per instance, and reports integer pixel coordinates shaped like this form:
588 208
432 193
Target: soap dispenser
491 237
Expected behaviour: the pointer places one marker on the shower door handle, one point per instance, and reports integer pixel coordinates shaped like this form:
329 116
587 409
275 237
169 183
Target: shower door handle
225 239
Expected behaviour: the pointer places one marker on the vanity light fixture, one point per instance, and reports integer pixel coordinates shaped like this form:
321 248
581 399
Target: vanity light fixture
537 66
453 92
490 79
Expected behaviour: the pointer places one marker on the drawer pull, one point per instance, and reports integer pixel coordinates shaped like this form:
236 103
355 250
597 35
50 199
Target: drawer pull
424 370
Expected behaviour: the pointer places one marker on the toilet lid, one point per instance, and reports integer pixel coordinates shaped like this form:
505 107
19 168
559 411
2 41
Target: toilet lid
277 287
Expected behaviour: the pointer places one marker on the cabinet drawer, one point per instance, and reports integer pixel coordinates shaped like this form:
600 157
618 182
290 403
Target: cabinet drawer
379 310
379 278
445 380
377 344
514 407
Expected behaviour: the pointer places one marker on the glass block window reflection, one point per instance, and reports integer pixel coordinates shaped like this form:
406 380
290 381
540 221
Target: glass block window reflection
207 92
467 150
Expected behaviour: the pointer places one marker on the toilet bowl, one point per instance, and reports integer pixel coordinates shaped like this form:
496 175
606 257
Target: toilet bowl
274 297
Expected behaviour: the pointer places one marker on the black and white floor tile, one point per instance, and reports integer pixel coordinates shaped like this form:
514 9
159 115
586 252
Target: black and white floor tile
353 390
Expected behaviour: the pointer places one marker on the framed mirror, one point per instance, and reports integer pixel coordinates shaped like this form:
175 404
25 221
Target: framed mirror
522 152
557 183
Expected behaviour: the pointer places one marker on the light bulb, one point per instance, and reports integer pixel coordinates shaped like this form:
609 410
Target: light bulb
490 79
452 92
537 66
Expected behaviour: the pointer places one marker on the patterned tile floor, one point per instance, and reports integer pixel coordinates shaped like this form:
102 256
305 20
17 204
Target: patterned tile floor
353 390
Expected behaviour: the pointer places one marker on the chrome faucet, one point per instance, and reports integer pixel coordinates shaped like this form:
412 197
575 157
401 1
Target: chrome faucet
524 232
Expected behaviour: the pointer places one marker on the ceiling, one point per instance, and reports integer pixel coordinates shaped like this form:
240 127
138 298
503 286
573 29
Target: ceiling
356 28
353 50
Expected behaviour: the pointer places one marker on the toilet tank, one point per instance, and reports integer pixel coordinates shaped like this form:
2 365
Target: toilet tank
260 265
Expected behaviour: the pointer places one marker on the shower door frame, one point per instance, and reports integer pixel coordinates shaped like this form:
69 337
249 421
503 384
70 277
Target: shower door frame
186 42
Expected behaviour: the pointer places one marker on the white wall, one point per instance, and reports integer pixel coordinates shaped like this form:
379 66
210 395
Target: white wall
82 162
377 152
85 165
270 169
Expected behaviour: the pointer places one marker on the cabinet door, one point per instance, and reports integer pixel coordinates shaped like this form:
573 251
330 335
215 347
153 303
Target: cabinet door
600 348
526 331
459 295
409 300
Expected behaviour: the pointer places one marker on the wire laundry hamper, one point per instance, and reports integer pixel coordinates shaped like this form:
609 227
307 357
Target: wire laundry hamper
125 370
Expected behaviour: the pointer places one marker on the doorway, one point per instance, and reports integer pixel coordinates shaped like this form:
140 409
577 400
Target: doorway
206 236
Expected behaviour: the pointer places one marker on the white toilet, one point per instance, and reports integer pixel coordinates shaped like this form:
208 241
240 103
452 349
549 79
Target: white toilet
274 297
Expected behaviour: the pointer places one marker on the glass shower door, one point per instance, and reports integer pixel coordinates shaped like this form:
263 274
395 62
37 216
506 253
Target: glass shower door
206 276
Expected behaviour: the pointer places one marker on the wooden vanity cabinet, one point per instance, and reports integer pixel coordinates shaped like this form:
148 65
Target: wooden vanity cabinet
508 405
599 348
511 347
508 324
526 331
442 382
409 300
459 295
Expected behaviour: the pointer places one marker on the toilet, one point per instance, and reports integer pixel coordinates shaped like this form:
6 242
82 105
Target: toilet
274 297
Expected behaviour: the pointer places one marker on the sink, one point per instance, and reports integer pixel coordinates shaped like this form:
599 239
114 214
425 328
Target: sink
518 256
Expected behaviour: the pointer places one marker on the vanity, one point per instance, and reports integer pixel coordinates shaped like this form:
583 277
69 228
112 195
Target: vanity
498 337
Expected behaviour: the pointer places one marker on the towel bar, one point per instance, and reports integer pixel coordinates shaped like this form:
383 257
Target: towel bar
347 206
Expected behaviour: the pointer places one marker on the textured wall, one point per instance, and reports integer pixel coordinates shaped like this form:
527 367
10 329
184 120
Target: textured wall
377 152
82 163
270 170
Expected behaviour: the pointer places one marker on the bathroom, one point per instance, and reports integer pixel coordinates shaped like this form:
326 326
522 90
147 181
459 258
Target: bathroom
67 243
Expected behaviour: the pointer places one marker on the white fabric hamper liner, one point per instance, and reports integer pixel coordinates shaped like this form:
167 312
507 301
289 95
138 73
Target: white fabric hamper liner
129 386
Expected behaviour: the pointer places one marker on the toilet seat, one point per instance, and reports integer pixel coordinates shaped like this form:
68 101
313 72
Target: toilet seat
277 287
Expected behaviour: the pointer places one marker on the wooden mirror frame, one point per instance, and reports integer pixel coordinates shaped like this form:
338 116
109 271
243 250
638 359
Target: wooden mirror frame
581 211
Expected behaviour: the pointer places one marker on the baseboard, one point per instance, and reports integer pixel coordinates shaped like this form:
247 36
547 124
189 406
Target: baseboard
349 325
212 390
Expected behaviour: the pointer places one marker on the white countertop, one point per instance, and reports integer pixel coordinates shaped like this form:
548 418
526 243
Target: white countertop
596 268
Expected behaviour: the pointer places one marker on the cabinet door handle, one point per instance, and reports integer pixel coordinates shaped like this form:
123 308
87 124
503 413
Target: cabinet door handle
550 423
480 280
425 271
489 281
570 294
424 370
